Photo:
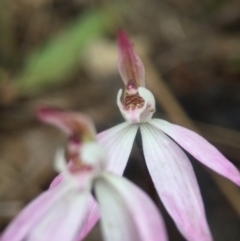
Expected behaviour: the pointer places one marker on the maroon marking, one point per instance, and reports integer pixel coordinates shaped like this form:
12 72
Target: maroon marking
133 102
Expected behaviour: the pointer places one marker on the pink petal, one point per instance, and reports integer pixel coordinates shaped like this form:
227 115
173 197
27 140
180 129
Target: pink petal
130 65
21 226
57 181
90 219
175 182
92 211
127 213
63 220
200 148
118 142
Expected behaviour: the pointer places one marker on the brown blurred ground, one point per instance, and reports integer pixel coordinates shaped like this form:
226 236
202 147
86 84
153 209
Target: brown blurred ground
194 46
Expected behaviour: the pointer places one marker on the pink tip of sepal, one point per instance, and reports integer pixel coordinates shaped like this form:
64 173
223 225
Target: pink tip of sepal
73 124
130 65
54 116
124 42
45 112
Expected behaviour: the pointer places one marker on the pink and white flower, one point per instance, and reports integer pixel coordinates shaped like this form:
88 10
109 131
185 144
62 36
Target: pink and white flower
59 213
169 167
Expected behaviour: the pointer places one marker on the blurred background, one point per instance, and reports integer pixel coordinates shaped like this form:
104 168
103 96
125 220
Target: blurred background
64 53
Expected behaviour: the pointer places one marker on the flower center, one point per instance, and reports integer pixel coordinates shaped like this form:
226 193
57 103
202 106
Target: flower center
77 164
132 102
72 155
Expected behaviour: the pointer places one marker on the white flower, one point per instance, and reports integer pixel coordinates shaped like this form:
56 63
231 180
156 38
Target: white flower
168 165
127 213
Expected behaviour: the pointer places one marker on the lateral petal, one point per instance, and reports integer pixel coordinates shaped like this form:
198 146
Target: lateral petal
127 213
63 220
175 182
199 148
22 225
118 142
90 219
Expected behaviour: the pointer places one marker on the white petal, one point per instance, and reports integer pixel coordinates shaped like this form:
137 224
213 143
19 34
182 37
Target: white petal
200 148
175 183
33 213
118 141
126 212
63 220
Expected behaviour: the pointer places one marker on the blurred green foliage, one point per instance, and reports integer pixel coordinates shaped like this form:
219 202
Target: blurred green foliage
52 63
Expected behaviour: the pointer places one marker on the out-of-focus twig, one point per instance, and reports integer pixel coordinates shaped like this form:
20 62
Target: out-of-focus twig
225 139
177 115
219 134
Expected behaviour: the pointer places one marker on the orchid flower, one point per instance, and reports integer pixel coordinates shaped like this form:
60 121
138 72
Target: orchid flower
127 213
169 166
